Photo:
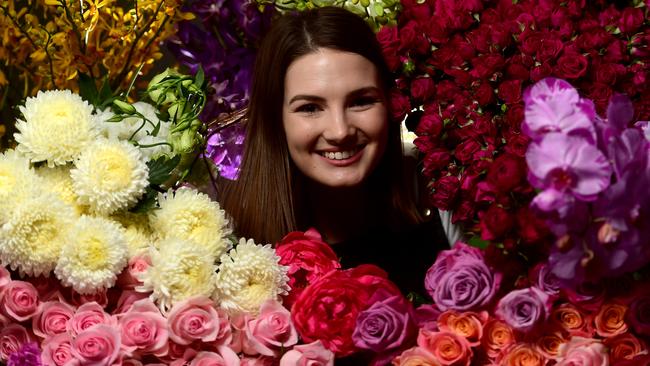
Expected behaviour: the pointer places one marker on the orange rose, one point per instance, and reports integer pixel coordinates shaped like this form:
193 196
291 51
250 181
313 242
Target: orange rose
523 354
497 336
415 356
549 344
610 320
571 319
448 348
468 325
624 347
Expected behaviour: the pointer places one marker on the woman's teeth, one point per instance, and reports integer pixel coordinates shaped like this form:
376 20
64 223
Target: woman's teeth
339 155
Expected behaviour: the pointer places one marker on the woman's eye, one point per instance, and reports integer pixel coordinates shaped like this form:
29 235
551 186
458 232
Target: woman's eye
308 108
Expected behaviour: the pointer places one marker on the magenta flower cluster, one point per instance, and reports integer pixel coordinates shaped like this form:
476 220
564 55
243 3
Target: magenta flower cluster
592 174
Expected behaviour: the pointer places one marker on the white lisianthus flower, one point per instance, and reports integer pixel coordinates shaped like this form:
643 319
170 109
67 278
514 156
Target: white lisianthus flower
94 254
109 175
57 126
249 275
178 271
193 216
34 233
58 181
126 128
16 178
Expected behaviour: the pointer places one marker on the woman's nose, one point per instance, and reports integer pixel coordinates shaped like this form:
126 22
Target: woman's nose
339 127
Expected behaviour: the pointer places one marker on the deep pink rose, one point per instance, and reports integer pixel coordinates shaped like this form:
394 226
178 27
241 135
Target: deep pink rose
57 351
466 150
97 345
88 315
430 124
583 352
434 160
224 357
495 222
388 37
143 329
445 191
19 300
52 319
423 88
272 330
448 348
506 172
524 309
308 258
197 319
312 354
631 19
12 338
399 105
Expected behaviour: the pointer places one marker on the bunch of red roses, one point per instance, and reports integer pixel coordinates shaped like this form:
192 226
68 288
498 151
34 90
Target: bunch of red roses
462 67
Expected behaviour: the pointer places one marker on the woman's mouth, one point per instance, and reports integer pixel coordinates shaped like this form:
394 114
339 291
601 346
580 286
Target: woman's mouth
343 157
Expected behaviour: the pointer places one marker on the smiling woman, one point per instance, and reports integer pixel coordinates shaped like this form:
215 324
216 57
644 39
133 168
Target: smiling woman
321 150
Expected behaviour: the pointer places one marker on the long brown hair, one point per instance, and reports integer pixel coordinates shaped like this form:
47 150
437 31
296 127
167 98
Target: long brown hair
264 202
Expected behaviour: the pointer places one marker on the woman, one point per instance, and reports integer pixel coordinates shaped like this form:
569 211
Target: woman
321 151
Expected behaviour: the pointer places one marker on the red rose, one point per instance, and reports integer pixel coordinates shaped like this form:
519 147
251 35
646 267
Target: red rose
486 65
608 73
530 41
445 191
447 89
517 144
600 94
484 94
516 70
615 51
430 125
506 172
571 65
308 258
532 228
495 222
631 20
434 161
388 37
327 310
399 105
422 88
466 150
510 91
640 45
540 72
412 38
463 211
436 30
549 48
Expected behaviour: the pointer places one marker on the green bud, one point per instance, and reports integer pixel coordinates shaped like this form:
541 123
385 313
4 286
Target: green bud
365 3
124 107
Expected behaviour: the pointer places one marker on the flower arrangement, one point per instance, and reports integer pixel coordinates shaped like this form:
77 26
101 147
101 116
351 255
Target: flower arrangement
462 68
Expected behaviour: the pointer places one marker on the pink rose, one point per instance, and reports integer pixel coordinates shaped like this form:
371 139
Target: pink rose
97 345
136 266
197 319
100 297
5 277
12 337
143 329
126 299
57 351
225 357
88 315
52 319
272 330
583 352
19 300
131 362
257 361
312 354
448 348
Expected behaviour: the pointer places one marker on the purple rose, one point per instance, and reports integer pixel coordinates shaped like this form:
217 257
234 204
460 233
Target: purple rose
524 309
460 279
385 326
546 280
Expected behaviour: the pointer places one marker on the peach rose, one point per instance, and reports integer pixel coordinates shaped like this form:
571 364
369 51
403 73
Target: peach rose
52 319
415 356
312 354
57 351
224 357
522 354
97 345
143 329
583 352
197 319
88 315
610 320
624 347
19 300
571 319
549 344
448 348
468 325
12 337
497 336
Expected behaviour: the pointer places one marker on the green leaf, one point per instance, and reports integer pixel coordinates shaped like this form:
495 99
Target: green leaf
476 241
199 77
147 202
105 91
116 118
156 129
417 299
124 107
160 169
88 89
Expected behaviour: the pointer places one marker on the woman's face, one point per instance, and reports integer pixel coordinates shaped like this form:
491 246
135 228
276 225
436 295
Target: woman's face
334 117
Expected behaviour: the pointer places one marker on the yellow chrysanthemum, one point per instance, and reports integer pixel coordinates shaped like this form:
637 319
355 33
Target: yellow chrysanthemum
16 180
178 271
58 181
94 254
249 275
34 233
109 175
57 126
191 215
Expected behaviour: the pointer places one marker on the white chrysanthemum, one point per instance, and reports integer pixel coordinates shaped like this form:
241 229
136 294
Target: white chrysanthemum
58 181
109 175
124 129
191 215
34 233
136 231
58 125
178 271
94 254
249 275
16 181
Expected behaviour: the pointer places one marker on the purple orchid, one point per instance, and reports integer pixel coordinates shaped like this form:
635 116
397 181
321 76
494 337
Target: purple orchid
226 148
553 105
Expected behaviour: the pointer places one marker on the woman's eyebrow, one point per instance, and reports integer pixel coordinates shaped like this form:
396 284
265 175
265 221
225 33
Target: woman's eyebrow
318 99
364 90
307 97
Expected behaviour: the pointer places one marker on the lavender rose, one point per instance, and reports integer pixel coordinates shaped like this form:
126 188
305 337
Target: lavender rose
385 325
524 309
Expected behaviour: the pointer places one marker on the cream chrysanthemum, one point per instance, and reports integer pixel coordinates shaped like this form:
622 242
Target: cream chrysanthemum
109 175
57 126
249 275
94 254
34 233
58 181
178 271
16 181
191 215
